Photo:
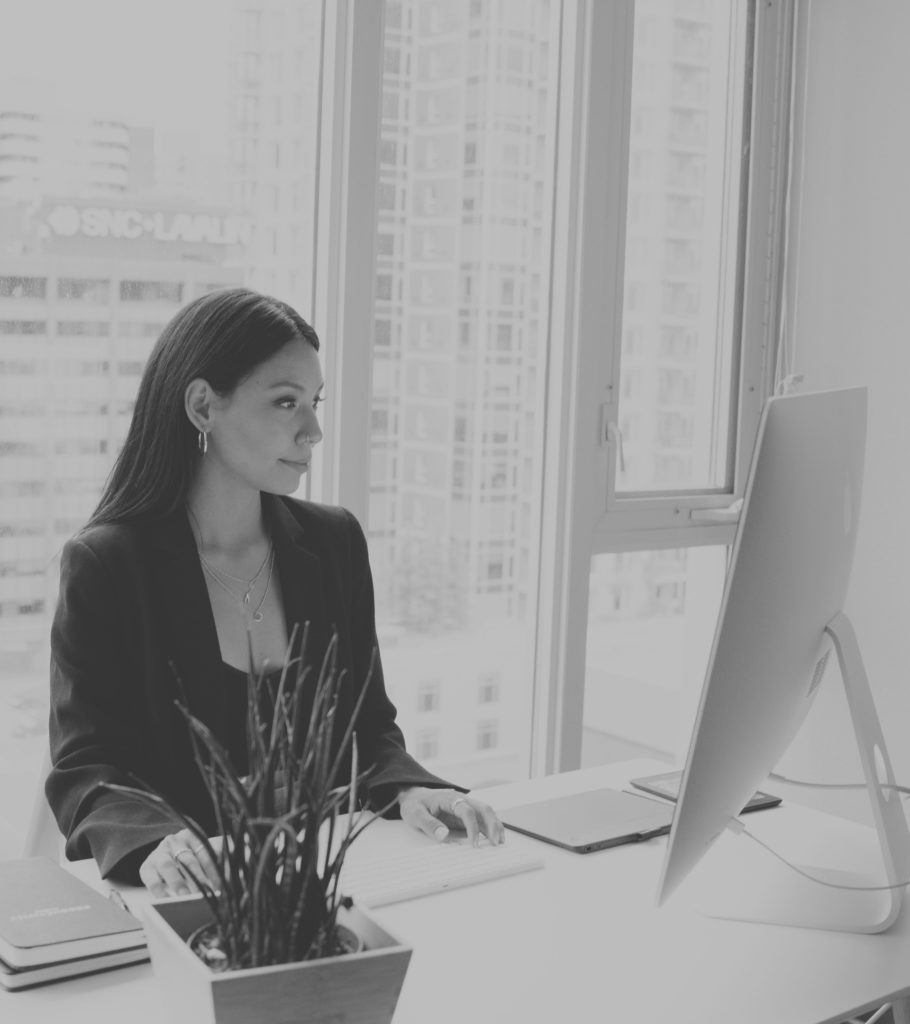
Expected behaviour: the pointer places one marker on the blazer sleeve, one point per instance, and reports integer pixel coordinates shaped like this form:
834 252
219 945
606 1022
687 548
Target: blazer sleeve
380 740
96 730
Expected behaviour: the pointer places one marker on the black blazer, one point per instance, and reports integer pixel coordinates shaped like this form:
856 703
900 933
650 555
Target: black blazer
132 600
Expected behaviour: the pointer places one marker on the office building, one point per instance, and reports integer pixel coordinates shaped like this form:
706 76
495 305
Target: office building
85 287
273 135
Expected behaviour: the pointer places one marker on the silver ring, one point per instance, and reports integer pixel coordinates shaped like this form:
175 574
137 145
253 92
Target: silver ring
455 803
180 853
196 849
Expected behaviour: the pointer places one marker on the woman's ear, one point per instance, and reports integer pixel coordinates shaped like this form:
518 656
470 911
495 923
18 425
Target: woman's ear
197 401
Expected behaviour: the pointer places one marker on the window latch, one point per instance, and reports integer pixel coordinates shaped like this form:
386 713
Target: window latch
614 437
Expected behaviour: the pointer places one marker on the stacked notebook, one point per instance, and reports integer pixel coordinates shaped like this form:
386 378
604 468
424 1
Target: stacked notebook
54 926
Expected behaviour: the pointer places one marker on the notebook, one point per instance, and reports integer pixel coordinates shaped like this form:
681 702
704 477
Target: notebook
48 915
28 977
584 822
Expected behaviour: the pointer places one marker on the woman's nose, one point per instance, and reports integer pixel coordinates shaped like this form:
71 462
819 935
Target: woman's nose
311 428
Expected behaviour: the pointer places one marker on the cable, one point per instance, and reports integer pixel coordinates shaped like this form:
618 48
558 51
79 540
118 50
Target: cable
905 790
736 826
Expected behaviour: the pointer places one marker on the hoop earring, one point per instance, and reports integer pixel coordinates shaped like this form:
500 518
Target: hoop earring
203 442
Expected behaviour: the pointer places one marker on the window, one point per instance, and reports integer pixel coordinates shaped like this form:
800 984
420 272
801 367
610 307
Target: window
73 289
483 337
427 745
128 329
22 287
688 383
151 291
428 697
83 328
23 326
475 612
488 691
487 736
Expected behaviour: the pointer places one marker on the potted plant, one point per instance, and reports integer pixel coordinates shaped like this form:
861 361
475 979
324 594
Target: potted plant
276 939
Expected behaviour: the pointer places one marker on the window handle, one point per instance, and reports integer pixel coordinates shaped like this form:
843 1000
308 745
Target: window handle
729 515
614 437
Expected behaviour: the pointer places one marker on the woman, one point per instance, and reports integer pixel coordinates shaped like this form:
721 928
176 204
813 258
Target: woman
193 548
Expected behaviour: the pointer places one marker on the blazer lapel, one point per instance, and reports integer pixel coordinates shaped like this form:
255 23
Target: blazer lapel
190 638
300 574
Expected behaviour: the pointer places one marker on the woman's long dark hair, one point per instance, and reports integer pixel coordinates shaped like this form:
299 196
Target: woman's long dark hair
221 337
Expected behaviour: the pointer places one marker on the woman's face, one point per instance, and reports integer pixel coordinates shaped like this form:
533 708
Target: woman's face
263 433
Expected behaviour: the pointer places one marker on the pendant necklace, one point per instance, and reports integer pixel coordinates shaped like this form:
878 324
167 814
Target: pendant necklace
220 578
244 601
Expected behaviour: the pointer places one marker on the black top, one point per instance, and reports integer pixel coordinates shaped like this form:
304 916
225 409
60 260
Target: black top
134 628
233 738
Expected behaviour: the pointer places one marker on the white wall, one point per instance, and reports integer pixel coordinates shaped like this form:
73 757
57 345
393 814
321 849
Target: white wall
849 315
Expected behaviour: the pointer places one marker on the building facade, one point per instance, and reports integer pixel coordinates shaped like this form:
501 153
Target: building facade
85 288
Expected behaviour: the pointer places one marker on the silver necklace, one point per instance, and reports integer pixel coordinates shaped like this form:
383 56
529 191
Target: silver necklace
243 602
220 577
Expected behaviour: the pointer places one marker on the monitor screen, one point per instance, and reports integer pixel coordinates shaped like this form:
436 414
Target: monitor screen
787 580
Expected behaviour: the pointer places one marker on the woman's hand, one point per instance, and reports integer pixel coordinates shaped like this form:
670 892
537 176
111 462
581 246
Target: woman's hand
170 868
436 811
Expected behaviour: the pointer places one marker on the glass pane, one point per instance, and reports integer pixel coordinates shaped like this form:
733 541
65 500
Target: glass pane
678 359
460 327
651 620
117 205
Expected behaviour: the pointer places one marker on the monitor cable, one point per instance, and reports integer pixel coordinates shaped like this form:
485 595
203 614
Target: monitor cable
738 827
905 790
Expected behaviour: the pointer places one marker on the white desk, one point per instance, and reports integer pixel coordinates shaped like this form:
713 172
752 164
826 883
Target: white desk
582 940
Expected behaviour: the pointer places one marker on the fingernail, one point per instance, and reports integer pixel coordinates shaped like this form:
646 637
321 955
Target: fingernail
182 890
440 833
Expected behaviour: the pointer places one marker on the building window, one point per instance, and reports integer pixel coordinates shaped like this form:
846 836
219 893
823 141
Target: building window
382 333
83 328
384 287
23 287
151 291
428 697
127 329
487 735
386 197
427 745
23 326
495 569
488 690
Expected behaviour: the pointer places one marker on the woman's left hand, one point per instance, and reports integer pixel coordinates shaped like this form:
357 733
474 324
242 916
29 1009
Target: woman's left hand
436 811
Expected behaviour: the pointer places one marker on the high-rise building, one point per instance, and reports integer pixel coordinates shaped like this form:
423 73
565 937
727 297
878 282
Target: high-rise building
273 139
459 317
85 288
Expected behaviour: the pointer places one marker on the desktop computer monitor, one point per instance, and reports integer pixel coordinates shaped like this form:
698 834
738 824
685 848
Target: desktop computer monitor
786 583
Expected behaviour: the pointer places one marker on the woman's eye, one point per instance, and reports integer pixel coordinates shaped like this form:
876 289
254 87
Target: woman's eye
287 403
317 401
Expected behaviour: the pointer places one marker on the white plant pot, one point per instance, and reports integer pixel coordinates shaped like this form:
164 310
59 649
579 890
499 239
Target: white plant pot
359 988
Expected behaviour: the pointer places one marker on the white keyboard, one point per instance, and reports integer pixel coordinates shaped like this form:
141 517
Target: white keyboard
424 870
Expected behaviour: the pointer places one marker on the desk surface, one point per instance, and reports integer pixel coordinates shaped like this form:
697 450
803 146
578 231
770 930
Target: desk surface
583 940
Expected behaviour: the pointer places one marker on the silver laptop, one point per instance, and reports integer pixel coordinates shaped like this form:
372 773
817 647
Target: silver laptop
584 822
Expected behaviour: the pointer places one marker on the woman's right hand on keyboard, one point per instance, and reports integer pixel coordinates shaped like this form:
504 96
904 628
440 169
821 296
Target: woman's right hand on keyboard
436 811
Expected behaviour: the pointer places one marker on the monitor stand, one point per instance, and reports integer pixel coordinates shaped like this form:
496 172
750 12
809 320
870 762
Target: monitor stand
747 883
